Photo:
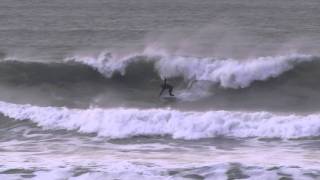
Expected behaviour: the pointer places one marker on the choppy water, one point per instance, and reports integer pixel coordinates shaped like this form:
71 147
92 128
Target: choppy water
79 87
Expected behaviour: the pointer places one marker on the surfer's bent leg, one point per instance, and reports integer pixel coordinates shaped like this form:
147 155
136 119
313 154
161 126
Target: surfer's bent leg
170 90
161 91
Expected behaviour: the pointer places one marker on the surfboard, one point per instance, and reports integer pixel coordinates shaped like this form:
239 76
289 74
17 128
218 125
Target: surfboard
168 98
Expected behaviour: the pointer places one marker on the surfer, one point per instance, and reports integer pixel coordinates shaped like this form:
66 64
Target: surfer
165 86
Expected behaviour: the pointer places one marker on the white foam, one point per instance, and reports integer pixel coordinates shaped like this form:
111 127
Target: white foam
195 91
113 170
53 174
123 123
128 171
228 73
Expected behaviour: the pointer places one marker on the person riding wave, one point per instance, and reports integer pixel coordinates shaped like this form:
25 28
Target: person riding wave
165 86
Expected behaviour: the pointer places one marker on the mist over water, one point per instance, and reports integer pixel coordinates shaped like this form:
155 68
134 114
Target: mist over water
80 83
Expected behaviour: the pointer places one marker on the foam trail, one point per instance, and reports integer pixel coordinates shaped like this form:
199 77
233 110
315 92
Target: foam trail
228 73
124 123
194 91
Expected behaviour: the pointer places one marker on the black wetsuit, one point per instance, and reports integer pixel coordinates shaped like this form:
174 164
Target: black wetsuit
165 86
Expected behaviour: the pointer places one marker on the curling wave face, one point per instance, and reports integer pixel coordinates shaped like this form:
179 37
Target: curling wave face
125 123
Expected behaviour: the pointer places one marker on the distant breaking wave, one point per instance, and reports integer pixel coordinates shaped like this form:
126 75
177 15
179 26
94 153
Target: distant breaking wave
125 123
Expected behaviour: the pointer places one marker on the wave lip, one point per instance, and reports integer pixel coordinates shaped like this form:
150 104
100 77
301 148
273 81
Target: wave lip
125 123
105 63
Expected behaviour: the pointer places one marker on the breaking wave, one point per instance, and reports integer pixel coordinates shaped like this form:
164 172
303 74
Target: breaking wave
125 123
146 68
228 73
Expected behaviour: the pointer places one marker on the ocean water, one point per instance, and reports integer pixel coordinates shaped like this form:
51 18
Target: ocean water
80 83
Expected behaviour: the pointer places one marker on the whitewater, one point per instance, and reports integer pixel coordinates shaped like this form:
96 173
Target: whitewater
126 123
